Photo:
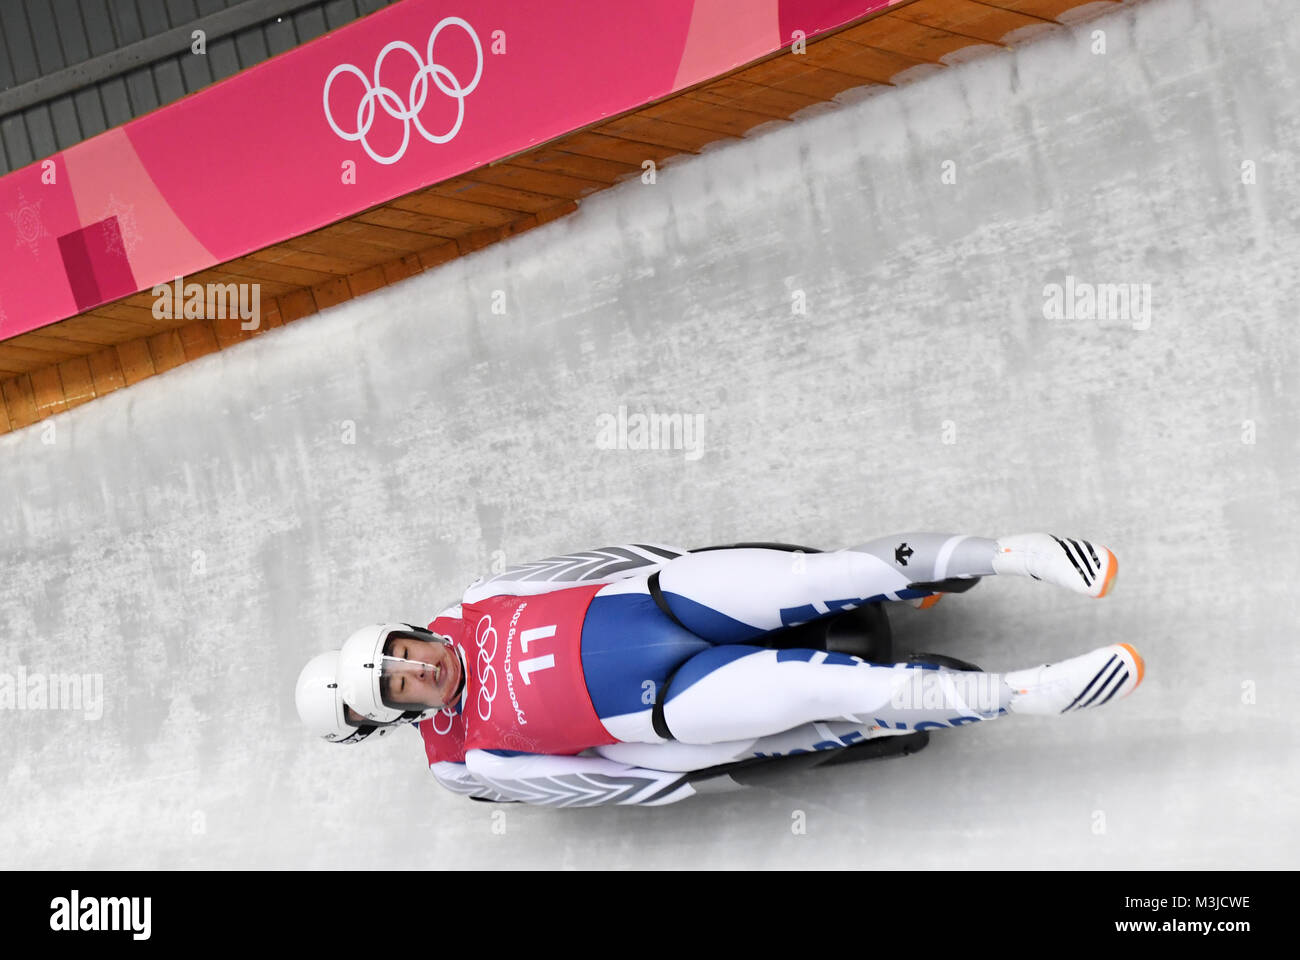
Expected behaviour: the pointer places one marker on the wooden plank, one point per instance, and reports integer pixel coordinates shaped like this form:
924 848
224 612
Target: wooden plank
12 367
1045 9
412 220
869 63
125 311
607 147
718 102
337 241
78 384
29 358
466 213
230 331
283 254
290 276
389 240
198 339
5 425
978 20
723 122
135 360
573 165
555 212
777 104
478 239
271 315
354 251
19 400
145 300
45 338
96 330
406 267
491 195
904 37
438 255
537 182
332 293
793 72
106 371
267 288
366 281
166 350
658 132
296 305
47 391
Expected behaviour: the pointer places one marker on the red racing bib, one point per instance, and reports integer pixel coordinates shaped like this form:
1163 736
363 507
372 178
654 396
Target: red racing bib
444 737
444 732
526 687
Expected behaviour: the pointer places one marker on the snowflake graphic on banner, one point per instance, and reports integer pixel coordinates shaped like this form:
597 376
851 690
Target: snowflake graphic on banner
28 224
128 234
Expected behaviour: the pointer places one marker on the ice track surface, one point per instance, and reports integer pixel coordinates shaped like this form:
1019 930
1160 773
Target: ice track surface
196 537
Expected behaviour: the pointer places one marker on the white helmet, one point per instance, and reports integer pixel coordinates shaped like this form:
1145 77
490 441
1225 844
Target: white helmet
321 707
362 664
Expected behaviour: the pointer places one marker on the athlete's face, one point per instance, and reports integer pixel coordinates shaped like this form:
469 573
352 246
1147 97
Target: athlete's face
435 679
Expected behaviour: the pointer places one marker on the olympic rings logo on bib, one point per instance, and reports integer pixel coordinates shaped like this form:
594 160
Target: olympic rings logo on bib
446 714
487 692
407 111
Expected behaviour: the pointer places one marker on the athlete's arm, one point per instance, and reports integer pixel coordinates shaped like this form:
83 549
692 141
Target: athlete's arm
601 565
456 778
563 781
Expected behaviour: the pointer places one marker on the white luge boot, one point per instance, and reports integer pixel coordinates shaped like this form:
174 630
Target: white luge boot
1077 565
1102 676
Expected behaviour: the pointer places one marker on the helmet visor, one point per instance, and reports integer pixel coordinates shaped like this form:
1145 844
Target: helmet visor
410 684
354 719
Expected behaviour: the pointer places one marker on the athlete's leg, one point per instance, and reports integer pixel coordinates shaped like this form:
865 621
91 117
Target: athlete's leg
733 596
736 692
630 650
806 738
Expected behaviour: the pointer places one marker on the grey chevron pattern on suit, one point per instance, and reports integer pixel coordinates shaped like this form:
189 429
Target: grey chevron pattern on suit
588 566
593 789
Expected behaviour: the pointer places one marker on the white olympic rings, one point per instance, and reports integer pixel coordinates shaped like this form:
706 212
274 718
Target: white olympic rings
392 103
447 714
486 692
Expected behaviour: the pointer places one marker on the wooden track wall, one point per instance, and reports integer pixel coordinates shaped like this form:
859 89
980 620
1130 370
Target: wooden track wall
75 360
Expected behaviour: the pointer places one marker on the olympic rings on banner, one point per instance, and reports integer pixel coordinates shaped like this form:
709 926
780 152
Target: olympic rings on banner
407 111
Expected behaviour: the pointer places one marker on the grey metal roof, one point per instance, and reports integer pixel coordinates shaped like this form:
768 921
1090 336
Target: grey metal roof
70 69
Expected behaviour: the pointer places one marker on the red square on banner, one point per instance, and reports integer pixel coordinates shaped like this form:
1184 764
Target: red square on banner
94 259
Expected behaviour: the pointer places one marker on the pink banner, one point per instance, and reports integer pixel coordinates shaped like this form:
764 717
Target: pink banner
415 94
